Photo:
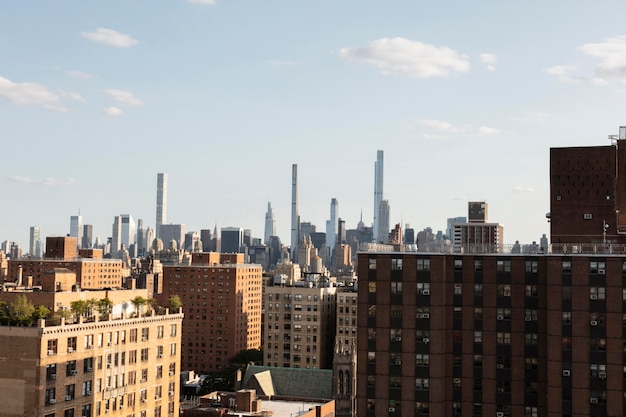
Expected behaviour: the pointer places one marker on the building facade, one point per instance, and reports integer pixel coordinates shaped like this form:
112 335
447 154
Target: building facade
222 298
491 335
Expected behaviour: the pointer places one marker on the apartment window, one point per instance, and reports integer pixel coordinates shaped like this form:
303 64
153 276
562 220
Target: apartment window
478 290
172 349
145 333
52 347
566 267
503 338
85 410
396 264
69 392
371 287
172 330
71 344
396 288
530 315
87 365
159 371
530 338
50 396
422 359
172 369
144 354
531 291
159 332
567 317
144 375
396 311
423 288
423 264
132 357
504 290
87 389
132 378
597 293
421 384
531 267
478 265
70 368
503 314
372 263
133 335
458 289
504 265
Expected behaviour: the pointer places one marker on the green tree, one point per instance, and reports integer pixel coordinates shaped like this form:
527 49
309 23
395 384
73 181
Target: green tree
4 313
41 312
22 311
139 302
80 307
175 303
154 305
105 306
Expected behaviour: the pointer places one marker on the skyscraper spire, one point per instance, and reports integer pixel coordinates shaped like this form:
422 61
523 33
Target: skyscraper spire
378 192
270 224
161 203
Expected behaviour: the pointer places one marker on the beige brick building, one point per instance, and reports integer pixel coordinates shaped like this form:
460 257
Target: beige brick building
300 326
118 367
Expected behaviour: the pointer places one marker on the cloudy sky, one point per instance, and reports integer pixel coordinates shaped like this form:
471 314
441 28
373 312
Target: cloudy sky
465 98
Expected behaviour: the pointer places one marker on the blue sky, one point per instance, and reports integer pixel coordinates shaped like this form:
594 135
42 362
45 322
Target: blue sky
465 98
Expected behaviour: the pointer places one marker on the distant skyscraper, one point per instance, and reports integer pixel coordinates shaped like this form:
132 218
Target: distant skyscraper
331 225
170 232
129 230
295 219
161 206
409 235
35 235
378 197
450 226
87 241
383 222
270 224
76 228
116 236
232 239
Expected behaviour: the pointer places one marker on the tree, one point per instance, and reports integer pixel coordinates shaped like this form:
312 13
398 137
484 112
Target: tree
80 307
175 303
105 306
154 305
22 311
41 312
139 302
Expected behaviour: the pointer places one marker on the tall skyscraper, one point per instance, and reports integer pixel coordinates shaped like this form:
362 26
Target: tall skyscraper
129 230
295 219
270 224
383 222
87 241
232 239
331 225
116 236
378 195
35 236
76 228
161 206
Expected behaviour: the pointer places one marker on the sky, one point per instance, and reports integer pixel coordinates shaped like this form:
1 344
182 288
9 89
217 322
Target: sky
465 99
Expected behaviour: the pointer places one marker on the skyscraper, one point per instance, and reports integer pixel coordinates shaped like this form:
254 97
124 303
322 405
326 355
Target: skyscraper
378 195
232 239
35 235
331 225
295 220
270 224
383 222
116 236
161 206
76 228
87 241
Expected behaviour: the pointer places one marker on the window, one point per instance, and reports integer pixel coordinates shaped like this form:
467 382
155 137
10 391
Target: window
145 333
504 290
423 264
372 263
423 288
87 365
503 314
478 290
478 337
52 347
458 289
71 344
133 335
132 357
531 291
530 338
422 359
172 330
144 354
396 288
566 267
504 265
597 293
396 264
531 267
371 287
458 264
478 265
503 338
70 368
159 332
567 318
421 384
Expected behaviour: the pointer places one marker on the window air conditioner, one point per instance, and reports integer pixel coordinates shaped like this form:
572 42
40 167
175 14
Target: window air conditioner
51 353
566 372
593 400
426 315
602 375
499 414
593 322
500 366
426 340
70 349
425 292
89 393
398 339
593 296
500 317
68 398
392 410
528 318
53 376
52 401
74 372
601 271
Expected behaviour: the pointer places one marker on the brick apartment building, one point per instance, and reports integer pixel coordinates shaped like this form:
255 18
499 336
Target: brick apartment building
505 335
222 300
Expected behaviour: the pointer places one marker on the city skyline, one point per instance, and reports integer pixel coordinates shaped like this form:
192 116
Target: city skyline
466 106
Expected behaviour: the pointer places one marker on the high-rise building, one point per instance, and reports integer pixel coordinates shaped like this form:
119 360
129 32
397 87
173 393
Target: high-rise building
87 241
450 226
172 233
588 193
295 218
490 334
304 337
478 234
270 224
331 225
228 317
409 235
378 196
232 239
161 203
35 237
383 221
76 228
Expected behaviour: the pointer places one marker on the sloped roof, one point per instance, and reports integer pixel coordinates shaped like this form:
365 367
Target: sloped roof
289 382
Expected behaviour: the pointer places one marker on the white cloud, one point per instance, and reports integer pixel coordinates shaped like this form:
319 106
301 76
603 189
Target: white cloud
113 111
563 73
410 58
523 190
209 2
110 37
51 182
612 55
30 94
73 96
446 127
122 96
79 74
489 61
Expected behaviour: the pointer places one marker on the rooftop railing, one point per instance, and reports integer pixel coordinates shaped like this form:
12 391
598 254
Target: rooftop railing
509 249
